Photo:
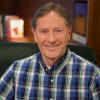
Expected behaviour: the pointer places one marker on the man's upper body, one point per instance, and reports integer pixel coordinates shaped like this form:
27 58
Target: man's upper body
55 72
71 78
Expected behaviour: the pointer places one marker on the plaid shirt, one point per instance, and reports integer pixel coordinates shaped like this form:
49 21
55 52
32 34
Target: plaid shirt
71 78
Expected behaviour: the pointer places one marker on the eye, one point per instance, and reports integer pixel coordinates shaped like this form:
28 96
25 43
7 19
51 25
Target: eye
43 31
58 30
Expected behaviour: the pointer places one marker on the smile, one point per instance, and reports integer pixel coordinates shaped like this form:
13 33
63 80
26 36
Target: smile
52 47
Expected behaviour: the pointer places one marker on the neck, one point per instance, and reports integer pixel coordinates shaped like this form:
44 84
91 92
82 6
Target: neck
51 61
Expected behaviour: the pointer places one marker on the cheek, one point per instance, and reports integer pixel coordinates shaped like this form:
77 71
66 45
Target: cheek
65 40
37 38
66 37
40 40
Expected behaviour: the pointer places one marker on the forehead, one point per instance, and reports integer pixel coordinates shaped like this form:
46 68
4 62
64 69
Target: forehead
51 18
53 14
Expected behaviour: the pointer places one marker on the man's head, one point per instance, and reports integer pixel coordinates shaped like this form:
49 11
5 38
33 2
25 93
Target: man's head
51 28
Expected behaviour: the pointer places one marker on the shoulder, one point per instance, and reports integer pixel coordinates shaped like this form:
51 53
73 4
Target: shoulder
26 62
21 65
84 65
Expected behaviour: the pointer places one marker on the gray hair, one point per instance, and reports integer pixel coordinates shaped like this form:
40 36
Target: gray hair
51 6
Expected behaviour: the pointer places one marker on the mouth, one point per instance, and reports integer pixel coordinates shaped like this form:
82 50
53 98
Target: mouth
52 47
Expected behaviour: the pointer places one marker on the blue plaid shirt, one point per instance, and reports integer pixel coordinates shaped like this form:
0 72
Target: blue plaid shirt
71 78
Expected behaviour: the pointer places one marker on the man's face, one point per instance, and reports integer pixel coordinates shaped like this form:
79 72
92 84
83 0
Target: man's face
52 35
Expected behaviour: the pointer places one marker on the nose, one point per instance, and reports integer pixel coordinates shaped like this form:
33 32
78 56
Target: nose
51 37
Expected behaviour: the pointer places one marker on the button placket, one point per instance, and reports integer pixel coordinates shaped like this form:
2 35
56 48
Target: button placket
51 79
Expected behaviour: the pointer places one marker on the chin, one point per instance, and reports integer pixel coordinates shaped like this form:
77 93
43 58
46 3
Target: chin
53 55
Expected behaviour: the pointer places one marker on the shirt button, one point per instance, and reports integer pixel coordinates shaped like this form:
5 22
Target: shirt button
51 80
46 69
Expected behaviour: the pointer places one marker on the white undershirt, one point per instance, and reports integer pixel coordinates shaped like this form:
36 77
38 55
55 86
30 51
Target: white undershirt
49 67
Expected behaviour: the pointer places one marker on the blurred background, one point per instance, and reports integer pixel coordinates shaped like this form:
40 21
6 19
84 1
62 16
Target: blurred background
85 18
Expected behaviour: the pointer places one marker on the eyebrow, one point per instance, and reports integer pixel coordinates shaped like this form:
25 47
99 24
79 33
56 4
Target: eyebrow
48 28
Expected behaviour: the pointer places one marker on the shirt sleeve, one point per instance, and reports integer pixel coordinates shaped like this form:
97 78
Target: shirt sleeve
95 87
6 85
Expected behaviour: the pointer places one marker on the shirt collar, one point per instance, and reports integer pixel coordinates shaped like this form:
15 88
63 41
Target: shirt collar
57 64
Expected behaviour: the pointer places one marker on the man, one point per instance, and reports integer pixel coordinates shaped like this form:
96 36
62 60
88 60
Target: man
55 73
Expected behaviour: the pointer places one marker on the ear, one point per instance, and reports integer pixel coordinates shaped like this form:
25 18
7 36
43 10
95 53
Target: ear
70 33
34 33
